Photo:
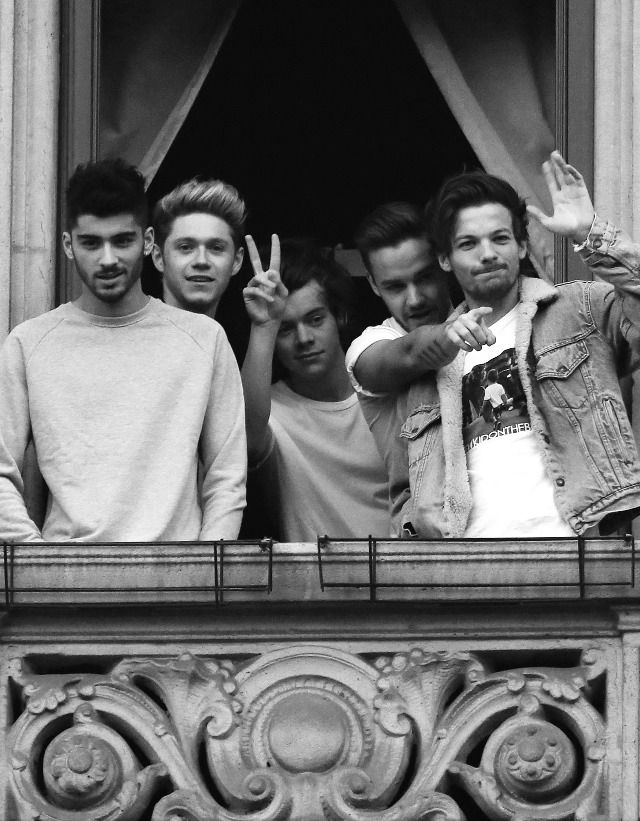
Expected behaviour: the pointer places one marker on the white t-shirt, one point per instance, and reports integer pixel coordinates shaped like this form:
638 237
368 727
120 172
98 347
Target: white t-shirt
512 494
332 480
389 329
494 393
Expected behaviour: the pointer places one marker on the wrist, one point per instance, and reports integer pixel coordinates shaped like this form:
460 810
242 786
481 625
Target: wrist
266 326
581 236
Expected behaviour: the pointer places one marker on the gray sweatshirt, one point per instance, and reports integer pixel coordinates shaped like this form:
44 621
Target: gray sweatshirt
121 411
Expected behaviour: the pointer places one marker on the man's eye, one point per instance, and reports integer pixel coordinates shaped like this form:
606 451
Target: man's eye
502 238
317 319
184 247
283 330
89 244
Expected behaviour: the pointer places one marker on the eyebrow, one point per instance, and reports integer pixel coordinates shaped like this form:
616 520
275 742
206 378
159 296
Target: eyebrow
119 235
189 238
306 314
391 279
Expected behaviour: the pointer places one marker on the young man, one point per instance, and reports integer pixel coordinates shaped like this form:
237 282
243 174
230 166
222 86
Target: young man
198 243
564 457
306 433
416 338
402 271
120 393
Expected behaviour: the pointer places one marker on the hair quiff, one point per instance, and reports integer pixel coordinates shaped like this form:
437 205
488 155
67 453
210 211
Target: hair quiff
195 196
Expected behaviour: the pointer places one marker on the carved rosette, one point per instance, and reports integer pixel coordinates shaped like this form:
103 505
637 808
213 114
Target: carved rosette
308 716
309 733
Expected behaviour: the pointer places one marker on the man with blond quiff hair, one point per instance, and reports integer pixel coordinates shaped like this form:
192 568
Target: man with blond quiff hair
198 228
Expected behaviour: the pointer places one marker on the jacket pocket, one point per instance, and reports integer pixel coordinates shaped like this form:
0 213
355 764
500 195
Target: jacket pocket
421 430
422 433
624 450
560 372
423 417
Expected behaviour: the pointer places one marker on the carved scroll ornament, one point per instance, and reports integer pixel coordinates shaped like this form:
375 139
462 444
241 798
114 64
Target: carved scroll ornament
309 733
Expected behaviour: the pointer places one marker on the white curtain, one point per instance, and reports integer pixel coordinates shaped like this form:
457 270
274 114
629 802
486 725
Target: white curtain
156 54
494 62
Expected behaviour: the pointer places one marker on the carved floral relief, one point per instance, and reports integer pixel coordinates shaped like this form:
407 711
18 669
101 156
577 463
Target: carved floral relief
308 732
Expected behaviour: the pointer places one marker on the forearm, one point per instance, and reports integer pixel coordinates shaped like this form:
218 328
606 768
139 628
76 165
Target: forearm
256 382
15 433
612 256
614 259
390 365
15 523
224 453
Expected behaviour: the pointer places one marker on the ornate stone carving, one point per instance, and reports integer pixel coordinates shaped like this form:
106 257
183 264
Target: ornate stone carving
309 733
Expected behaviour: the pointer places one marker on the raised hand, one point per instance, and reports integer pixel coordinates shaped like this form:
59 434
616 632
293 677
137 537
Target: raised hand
265 295
470 331
572 207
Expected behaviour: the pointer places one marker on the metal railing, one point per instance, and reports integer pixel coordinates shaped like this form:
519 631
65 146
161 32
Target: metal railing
55 574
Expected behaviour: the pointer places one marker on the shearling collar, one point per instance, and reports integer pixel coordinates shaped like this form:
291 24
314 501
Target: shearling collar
530 290
536 290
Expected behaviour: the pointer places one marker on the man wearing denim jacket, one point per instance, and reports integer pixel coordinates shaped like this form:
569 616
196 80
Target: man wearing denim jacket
563 457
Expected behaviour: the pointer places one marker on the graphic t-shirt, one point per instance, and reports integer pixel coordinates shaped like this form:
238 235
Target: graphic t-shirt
512 495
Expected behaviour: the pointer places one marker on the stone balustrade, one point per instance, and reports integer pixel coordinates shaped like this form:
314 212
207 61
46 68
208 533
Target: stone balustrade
350 680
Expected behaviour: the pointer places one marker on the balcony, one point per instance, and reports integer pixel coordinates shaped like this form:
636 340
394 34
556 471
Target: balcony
365 679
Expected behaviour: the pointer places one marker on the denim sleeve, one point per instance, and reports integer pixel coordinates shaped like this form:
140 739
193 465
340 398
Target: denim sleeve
614 258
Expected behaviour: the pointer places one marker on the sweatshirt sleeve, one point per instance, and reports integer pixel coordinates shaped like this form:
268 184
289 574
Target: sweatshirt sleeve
223 449
15 433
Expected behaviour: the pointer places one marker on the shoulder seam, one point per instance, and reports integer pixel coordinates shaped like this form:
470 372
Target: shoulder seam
187 332
44 336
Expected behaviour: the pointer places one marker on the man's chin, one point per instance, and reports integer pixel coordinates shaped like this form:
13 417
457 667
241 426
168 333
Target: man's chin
197 305
419 320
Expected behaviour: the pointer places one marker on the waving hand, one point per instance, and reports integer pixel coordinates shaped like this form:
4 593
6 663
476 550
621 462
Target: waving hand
572 207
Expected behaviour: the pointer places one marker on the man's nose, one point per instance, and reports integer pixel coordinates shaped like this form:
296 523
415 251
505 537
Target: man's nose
414 295
201 257
108 256
304 334
487 251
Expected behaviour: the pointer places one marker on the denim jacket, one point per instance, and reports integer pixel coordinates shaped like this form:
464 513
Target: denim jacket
572 343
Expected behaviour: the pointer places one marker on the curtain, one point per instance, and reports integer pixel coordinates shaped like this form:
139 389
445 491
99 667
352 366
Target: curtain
494 62
155 56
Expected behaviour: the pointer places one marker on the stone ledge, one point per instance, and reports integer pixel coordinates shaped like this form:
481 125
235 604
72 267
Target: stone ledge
432 571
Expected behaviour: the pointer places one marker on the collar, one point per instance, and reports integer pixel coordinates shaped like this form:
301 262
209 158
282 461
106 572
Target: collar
530 290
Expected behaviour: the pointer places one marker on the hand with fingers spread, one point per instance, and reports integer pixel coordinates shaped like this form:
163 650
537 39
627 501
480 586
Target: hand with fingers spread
573 210
470 331
265 295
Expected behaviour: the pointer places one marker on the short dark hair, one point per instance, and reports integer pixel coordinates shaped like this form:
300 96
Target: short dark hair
389 225
106 188
304 261
195 196
470 189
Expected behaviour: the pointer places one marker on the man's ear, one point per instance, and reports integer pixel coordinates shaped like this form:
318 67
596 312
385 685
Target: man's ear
156 256
522 250
237 262
148 241
443 260
66 244
374 287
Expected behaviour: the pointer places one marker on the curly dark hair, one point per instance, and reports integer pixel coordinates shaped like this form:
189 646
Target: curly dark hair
106 188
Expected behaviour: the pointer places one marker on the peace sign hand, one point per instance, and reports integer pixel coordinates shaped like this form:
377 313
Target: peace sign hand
265 295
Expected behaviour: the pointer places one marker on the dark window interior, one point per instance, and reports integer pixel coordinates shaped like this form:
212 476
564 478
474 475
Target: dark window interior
317 112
